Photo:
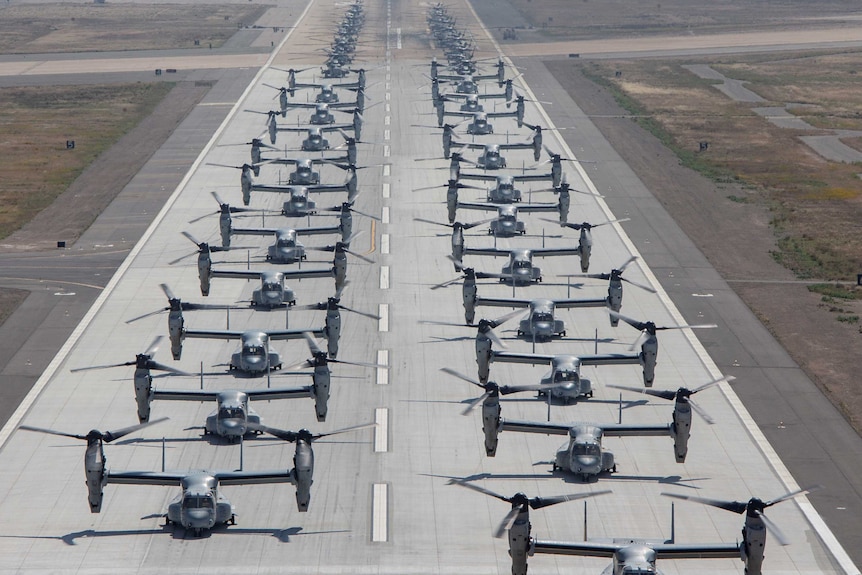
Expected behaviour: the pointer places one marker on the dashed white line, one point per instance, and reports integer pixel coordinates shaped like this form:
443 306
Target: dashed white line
386 168
385 189
388 76
386 151
383 312
388 108
386 135
387 120
388 86
384 277
388 96
382 372
381 432
379 513
384 244
385 215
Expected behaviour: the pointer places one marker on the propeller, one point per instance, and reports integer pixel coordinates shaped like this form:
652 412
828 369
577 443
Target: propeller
585 225
223 206
319 357
468 226
616 273
141 361
648 328
204 247
335 302
95 434
754 507
451 183
350 208
303 434
520 502
682 394
469 273
484 327
342 247
176 304
492 388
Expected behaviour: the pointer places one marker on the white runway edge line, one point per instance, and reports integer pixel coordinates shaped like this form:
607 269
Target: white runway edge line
382 372
384 277
380 513
381 432
383 312
778 466
49 372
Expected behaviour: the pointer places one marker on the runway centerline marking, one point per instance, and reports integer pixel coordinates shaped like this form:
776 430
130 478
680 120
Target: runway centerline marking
383 322
379 513
384 277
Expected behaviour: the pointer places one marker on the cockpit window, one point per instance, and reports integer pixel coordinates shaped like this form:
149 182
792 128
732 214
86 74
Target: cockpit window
542 316
586 449
522 265
271 287
230 413
198 502
565 375
254 350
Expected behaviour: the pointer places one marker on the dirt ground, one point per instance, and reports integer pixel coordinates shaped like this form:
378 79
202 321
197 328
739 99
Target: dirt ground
737 240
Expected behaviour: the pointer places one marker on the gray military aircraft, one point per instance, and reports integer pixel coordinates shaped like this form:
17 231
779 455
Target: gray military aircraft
629 556
200 506
255 356
583 453
339 261
332 324
520 269
541 323
457 234
225 219
287 249
507 224
490 157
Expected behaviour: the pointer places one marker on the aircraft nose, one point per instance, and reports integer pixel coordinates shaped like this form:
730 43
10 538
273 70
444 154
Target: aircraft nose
587 464
233 426
199 518
271 295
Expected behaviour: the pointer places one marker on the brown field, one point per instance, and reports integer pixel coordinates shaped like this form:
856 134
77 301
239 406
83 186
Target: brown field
816 204
586 19
35 123
44 28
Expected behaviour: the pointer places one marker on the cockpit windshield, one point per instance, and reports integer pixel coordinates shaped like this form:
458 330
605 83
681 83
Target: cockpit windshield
542 316
586 449
198 502
565 375
522 264
271 286
254 350
230 413
285 243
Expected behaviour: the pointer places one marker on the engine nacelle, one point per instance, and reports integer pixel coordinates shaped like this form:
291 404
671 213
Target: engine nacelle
303 469
320 388
681 429
537 144
94 470
143 393
585 244
332 331
491 424
176 325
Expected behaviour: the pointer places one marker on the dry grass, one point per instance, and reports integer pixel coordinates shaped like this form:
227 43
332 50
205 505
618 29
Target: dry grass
43 28
582 19
35 166
817 204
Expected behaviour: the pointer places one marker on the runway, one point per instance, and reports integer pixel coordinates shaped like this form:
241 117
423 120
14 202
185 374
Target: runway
380 501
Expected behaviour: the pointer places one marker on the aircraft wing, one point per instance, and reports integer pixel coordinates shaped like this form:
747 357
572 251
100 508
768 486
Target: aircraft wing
513 357
281 393
517 146
538 208
625 430
477 176
316 273
479 206
545 252
338 105
182 395
663 550
496 252
213 333
610 359
536 427
254 231
512 114
530 177
144 477
286 189
570 303
459 114
302 104
254 477
503 302
335 127
318 230
484 77
238 274
327 188
293 333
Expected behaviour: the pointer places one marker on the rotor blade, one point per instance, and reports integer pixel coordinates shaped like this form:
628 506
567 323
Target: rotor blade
51 431
727 378
360 256
793 494
77 369
312 344
495 338
639 341
476 402
158 311
695 326
163 367
504 318
507 521
289 436
475 487
773 528
154 345
362 313
733 506
627 263
539 502
461 376
167 290
345 430
639 325
640 285
701 412
359 363
110 436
